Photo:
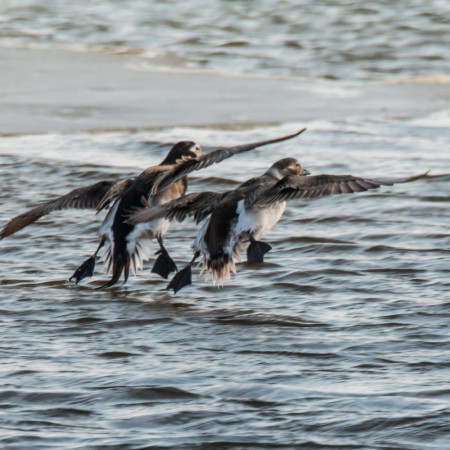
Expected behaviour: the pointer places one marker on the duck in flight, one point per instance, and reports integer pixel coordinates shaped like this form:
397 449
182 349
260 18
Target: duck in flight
237 219
126 245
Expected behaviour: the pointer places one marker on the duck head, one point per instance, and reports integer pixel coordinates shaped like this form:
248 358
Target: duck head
285 167
181 151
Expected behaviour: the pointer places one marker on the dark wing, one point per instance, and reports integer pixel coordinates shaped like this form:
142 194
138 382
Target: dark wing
114 192
87 197
308 187
188 166
198 205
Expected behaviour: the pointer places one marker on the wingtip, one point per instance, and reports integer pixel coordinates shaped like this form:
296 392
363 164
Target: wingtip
290 136
279 139
416 177
391 181
5 232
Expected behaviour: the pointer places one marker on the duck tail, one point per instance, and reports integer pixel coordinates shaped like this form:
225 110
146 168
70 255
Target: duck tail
220 267
120 264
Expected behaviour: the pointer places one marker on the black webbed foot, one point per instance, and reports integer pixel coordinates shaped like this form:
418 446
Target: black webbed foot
164 264
85 270
256 251
181 279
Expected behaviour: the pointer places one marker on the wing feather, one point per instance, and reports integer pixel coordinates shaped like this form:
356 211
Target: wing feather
185 167
114 192
197 205
308 187
87 197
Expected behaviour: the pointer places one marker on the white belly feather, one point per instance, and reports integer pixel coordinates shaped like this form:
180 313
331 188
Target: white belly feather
139 245
199 243
258 222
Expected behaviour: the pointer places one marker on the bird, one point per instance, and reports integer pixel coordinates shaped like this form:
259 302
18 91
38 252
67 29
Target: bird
237 219
125 245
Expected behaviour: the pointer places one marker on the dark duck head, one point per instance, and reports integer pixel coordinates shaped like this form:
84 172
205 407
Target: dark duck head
181 151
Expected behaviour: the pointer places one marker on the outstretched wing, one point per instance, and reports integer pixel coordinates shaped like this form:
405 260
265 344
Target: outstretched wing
188 166
88 197
308 187
198 205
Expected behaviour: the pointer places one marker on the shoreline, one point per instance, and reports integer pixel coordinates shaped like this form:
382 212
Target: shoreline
60 91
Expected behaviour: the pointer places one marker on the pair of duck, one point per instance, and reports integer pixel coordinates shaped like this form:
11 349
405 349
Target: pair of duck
141 209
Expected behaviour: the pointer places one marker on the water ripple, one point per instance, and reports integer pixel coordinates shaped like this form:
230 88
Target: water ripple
339 340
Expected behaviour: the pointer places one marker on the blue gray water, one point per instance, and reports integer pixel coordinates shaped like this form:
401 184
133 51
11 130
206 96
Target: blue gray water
322 39
339 340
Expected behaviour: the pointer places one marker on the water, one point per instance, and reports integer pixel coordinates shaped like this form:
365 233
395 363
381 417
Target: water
326 39
339 340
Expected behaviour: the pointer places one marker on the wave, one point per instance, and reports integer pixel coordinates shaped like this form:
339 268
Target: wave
437 119
430 78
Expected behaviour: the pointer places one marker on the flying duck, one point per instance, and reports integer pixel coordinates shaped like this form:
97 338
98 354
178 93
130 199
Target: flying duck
239 218
125 245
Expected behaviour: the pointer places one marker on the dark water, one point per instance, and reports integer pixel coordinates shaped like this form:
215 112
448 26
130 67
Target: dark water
340 340
321 39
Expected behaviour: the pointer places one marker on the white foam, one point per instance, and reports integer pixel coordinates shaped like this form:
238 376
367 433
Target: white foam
329 89
438 119
97 149
431 78
108 148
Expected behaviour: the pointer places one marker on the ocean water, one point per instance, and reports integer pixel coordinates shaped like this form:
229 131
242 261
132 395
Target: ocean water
322 39
339 340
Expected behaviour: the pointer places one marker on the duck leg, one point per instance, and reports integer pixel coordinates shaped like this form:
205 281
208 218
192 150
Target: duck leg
256 250
87 268
164 264
183 277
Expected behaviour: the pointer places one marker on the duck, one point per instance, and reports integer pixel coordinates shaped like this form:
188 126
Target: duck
126 246
237 219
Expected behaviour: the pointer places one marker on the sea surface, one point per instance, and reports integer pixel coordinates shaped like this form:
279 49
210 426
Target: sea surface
322 39
341 339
